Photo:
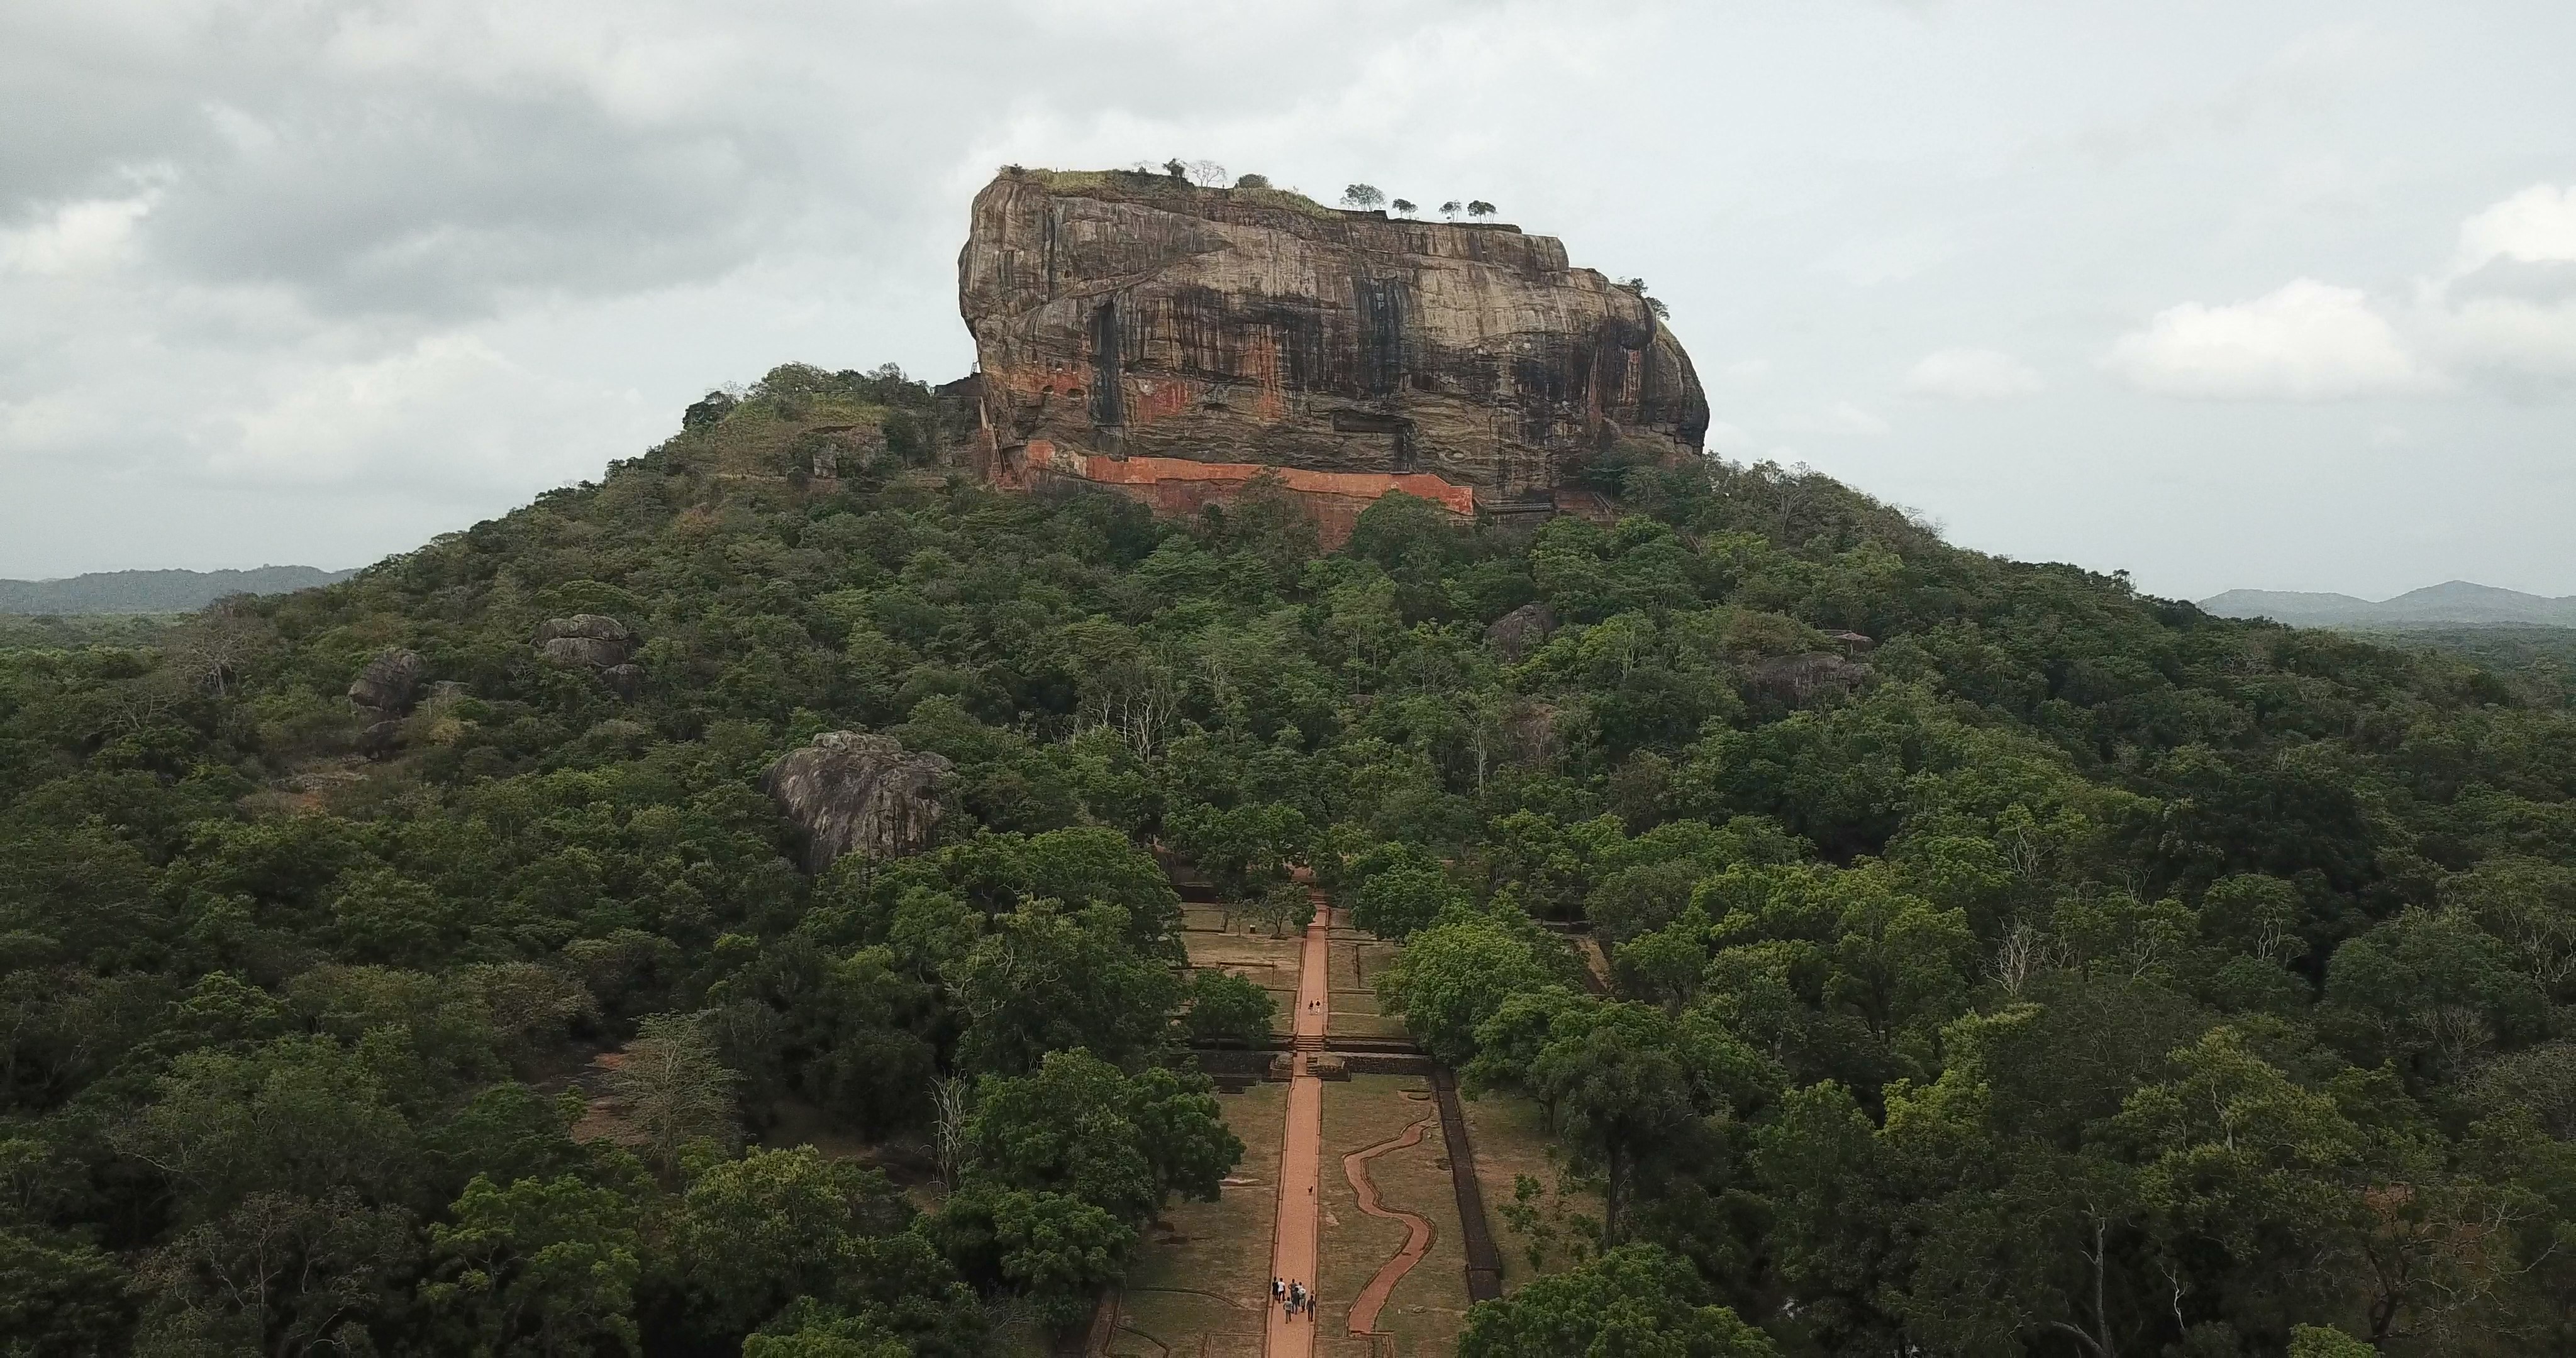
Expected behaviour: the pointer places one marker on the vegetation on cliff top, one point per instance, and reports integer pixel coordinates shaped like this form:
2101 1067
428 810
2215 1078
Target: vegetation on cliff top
2073 972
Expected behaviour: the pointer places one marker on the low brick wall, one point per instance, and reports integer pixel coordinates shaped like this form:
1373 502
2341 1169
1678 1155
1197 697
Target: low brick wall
1484 1264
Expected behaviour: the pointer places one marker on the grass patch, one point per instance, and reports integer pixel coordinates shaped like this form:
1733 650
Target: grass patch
1427 1309
1202 1279
1511 1141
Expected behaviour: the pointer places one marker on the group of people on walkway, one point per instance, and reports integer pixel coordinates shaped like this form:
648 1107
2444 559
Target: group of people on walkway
1294 1296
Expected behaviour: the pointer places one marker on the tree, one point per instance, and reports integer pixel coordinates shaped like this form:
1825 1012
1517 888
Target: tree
1059 1251
754 1233
1452 977
278 1274
1183 1132
1047 980
1450 209
1403 207
1621 1092
62 1297
2237 1154
1404 899
542 1266
673 1090
2325 1341
1224 1007
1480 208
2432 989
298 1118
826 1337
1076 1125
1242 848
1281 907
1635 1299
1362 197
899 1296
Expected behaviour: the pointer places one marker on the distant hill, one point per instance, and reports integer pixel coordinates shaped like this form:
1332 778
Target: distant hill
2453 603
155 591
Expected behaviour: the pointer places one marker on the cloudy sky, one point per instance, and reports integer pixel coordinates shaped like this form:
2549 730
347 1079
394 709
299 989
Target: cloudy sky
2279 295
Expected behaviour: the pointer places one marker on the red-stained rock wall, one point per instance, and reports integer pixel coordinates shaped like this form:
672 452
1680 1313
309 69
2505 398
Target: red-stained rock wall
1169 342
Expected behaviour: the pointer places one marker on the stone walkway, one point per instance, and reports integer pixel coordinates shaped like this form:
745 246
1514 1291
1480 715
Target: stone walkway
1301 1149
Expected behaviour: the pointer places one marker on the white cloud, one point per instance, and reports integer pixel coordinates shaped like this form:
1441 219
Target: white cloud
2535 225
2507 306
76 237
1843 418
1970 375
2308 341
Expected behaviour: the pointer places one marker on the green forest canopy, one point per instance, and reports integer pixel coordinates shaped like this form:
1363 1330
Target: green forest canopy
2075 974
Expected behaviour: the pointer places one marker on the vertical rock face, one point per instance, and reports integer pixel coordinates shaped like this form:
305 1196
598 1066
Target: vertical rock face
1172 342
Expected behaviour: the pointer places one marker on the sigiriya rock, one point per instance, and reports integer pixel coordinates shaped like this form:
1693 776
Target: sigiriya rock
1171 342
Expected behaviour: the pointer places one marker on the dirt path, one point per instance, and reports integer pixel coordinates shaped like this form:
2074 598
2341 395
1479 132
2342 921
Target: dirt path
1301 1149
1417 1231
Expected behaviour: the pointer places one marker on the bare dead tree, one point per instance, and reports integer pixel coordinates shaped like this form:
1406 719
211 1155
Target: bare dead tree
210 652
949 1104
1141 701
2023 955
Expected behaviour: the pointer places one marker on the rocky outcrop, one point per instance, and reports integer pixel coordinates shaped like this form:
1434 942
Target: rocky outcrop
384 693
390 684
592 639
1521 631
858 792
1797 679
1134 331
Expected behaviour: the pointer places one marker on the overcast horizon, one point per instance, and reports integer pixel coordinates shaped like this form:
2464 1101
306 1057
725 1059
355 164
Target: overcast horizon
2277 298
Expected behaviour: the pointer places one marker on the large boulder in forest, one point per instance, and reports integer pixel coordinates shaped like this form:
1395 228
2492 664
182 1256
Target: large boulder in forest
389 684
593 639
1521 631
859 792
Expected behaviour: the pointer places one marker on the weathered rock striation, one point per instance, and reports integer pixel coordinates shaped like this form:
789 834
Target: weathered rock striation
1172 342
858 792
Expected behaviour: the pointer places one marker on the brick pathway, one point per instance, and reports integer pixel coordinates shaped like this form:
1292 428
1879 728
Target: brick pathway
1301 1149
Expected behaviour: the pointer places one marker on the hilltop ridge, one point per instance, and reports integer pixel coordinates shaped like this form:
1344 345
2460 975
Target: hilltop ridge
170 591
2453 602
